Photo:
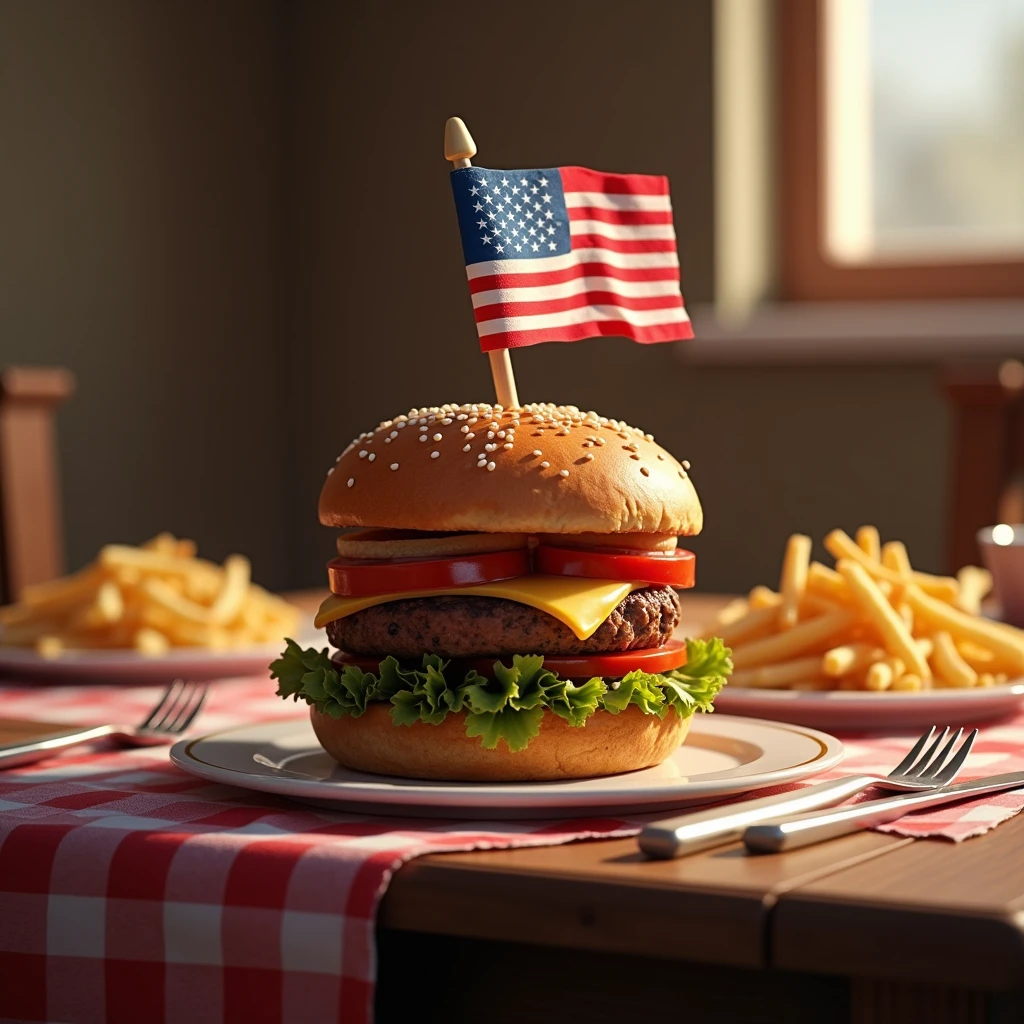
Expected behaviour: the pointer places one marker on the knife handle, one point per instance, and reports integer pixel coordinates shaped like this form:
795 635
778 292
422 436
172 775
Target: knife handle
815 828
701 830
13 755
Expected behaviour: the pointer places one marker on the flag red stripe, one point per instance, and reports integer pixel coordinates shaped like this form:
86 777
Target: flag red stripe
582 179
503 310
493 281
623 245
579 332
620 216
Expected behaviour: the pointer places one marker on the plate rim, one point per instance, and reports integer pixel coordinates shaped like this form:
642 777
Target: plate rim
74 659
863 698
472 795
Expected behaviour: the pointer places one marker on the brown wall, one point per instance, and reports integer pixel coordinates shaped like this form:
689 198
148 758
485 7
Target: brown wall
139 218
233 222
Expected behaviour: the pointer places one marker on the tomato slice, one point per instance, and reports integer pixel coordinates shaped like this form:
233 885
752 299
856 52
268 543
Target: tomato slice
608 666
577 666
366 577
667 568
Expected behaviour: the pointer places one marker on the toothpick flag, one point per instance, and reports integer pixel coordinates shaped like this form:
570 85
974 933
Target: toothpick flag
565 253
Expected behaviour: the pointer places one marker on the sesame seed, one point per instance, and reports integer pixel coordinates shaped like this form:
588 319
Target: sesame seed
490 467
394 433
563 472
464 428
387 440
661 458
537 451
501 433
470 436
435 454
682 475
645 471
589 456
363 454
635 456
601 440
373 455
648 437
423 437
490 447
351 481
506 446
545 465
447 420
437 437
394 465
467 447
490 434
330 471
685 464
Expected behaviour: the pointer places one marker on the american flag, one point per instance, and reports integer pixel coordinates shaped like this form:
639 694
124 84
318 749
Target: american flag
565 253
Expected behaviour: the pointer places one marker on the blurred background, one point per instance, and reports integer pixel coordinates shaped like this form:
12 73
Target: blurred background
201 205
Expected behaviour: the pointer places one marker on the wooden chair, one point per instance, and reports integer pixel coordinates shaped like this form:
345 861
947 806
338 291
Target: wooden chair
31 540
987 459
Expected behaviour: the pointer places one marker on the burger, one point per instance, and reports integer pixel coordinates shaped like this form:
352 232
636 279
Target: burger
506 607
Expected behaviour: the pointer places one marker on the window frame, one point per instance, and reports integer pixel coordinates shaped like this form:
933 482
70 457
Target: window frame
806 273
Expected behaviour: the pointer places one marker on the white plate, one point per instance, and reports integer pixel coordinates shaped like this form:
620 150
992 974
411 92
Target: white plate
131 668
722 756
849 709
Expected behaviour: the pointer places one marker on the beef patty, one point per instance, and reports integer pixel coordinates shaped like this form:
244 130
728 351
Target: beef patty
466 627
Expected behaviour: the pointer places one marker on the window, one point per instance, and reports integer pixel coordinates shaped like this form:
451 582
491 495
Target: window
902 148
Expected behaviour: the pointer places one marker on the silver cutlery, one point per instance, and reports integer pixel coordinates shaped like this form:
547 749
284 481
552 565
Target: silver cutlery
176 710
814 828
701 830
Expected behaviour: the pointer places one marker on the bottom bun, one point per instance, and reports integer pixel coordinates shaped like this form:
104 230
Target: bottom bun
606 745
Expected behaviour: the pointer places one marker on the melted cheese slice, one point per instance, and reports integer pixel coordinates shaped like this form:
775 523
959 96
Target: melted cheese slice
582 604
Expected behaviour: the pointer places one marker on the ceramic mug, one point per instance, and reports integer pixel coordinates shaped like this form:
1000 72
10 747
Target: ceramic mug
1002 548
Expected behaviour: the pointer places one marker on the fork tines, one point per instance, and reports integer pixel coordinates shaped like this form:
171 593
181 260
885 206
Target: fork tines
177 708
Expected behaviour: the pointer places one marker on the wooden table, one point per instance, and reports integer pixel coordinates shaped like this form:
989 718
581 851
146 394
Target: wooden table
871 929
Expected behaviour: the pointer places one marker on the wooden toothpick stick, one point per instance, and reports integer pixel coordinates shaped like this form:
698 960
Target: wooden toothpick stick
459 147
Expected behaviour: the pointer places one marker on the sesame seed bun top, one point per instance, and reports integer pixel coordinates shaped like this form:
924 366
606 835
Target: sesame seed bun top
537 469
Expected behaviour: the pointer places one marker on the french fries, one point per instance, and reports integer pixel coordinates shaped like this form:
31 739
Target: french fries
883 617
794 579
873 623
798 640
150 598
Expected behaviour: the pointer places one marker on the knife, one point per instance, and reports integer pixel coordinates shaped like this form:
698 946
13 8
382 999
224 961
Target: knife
702 830
815 827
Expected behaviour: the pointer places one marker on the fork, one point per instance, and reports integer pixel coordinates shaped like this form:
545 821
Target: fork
937 766
173 713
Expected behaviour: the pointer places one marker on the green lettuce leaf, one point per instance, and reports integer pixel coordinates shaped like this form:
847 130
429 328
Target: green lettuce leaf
694 686
516 728
505 706
576 703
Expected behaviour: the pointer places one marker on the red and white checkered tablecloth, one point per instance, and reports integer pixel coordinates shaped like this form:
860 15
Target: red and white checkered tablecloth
130 891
